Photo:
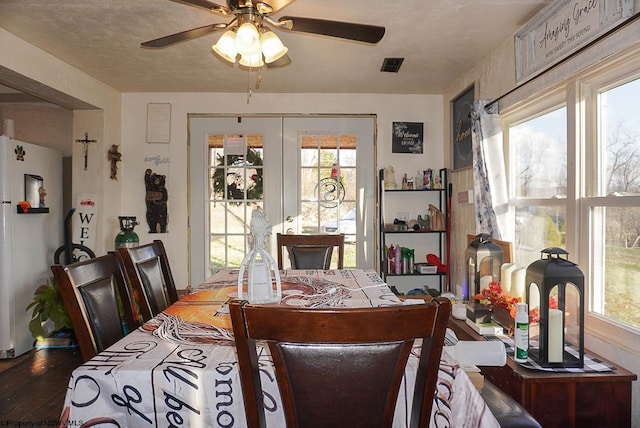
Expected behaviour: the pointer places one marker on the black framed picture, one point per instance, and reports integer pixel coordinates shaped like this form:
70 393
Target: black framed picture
407 137
462 153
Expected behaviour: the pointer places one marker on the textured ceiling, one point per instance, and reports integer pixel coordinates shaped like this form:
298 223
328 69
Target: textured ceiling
439 39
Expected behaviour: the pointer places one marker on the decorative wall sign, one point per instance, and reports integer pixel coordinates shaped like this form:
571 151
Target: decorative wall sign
330 192
562 28
462 153
85 220
407 137
158 123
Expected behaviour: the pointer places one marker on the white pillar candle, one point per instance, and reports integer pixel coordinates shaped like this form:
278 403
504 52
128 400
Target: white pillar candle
556 347
505 276
517 282
485 281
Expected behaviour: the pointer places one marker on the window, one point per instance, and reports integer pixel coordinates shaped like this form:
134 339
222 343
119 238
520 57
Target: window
613 205
539 183
574 183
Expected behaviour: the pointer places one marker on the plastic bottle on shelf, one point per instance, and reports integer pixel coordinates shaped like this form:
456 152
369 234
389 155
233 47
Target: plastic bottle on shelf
411 259
521 333
398 261
391 268
405 260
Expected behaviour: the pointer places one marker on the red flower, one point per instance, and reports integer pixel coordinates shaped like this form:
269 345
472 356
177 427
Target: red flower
494 297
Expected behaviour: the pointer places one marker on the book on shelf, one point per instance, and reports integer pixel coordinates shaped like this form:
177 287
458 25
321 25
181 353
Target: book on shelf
483 328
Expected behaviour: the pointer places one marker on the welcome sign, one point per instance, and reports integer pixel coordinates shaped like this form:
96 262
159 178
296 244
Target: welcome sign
561 29
85 220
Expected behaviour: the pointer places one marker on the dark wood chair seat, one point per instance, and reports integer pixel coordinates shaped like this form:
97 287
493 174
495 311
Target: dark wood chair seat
95 293
149 275
339 367
310 251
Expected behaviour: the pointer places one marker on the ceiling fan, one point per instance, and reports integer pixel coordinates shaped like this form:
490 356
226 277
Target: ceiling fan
248 34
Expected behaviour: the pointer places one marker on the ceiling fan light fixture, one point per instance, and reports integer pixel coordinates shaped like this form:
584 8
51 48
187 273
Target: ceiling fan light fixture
226 46
252 61
272 47
248 39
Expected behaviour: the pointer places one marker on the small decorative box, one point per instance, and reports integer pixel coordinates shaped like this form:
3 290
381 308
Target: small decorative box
478 312
423 268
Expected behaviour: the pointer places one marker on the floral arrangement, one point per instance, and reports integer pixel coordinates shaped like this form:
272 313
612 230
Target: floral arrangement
495 297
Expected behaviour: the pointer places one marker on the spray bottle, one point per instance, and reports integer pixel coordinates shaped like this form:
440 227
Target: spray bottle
521 333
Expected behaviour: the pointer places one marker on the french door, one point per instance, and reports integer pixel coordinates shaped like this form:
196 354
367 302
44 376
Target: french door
309 174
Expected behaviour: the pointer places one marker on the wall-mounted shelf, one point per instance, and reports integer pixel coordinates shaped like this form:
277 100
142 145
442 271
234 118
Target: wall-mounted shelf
32 210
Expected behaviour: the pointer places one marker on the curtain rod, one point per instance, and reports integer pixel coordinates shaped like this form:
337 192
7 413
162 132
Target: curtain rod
616 28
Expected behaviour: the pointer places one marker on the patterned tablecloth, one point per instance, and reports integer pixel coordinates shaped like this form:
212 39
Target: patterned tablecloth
180 369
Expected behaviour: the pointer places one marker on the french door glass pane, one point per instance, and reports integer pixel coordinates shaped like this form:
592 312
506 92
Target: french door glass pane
235 187
328 186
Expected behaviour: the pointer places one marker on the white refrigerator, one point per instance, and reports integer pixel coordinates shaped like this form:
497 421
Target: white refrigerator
27 241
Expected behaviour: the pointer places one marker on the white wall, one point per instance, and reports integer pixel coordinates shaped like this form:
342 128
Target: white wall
100 116
388 108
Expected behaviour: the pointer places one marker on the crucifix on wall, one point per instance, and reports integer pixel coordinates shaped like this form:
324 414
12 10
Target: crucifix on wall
86 142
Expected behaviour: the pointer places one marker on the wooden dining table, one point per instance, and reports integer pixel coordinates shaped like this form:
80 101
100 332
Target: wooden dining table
179 369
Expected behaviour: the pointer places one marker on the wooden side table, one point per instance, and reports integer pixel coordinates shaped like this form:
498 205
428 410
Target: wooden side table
562 399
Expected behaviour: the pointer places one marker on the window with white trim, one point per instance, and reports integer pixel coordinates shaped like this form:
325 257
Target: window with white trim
612 203
574 183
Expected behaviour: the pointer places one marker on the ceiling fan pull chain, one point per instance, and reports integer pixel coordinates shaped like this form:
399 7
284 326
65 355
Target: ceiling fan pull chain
249 91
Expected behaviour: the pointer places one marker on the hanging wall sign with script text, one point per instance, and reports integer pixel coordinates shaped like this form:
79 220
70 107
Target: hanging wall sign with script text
562 28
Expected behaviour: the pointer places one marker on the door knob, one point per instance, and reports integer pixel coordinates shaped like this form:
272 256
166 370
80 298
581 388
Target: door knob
289 219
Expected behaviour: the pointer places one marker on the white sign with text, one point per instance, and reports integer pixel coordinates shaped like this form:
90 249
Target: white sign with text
561 29
85 220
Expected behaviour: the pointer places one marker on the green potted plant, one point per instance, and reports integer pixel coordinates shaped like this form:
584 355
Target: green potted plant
47 305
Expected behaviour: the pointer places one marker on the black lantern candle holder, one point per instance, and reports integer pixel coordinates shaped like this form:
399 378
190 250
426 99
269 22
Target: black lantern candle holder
555 294
484 259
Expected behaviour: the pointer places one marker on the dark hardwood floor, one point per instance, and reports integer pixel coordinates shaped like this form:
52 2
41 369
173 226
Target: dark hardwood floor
33 386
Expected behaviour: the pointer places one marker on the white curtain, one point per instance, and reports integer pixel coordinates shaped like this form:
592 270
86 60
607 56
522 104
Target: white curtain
489 177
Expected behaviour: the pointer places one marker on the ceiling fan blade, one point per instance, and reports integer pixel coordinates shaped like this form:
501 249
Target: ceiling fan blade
345 30
183 36
277 5
207 5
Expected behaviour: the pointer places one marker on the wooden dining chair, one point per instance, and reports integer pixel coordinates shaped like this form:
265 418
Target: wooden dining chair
339 367
310 251
150 278
95 294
